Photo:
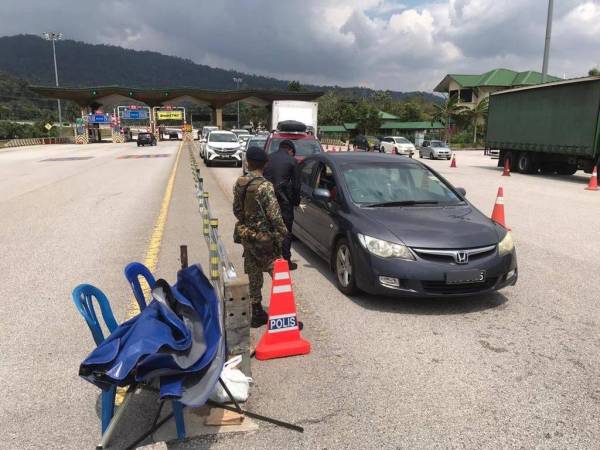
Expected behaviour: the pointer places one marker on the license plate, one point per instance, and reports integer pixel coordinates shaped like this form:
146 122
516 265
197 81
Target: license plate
465 276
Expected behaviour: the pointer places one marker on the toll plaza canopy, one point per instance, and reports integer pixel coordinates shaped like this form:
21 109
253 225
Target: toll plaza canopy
98 95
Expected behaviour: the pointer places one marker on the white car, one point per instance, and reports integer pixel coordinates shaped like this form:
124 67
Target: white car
222 146
435 150
398 145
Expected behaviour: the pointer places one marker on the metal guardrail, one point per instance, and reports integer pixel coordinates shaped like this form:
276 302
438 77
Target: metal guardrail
231 288
221 268
34 141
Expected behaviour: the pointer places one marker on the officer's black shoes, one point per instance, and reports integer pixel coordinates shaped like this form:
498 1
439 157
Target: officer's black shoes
259 316
292 265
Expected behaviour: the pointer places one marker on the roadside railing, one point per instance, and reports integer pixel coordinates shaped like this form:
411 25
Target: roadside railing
231 288
5 143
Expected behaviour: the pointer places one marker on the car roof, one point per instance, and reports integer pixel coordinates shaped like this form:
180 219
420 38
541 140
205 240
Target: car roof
336 158
221 132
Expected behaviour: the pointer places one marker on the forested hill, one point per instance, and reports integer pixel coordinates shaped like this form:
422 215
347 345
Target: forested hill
30 57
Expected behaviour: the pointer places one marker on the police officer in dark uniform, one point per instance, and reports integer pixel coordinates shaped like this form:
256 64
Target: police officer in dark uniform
282 170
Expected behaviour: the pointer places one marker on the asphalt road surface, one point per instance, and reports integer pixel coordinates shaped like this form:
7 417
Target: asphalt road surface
65 222
517 368
513 369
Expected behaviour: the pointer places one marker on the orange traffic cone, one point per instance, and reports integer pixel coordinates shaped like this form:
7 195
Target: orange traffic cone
282 337
506 171
593 184
453 163
498 211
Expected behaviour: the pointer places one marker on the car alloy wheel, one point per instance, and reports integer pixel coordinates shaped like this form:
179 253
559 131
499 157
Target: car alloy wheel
344 269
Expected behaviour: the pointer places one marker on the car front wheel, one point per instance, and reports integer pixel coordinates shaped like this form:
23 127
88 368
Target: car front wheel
344 268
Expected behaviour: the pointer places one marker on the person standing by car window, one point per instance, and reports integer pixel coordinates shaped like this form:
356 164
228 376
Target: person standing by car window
260 228
282 170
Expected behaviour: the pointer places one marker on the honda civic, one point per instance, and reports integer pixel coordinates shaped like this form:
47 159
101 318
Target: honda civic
394 226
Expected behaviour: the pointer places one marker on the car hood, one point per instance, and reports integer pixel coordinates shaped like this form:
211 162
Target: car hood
224 145
447 227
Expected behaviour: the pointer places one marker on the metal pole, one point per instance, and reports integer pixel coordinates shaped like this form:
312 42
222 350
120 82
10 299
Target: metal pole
237 81
547 43
56 79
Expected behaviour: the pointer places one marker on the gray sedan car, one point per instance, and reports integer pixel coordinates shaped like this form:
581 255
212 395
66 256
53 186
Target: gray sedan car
435 150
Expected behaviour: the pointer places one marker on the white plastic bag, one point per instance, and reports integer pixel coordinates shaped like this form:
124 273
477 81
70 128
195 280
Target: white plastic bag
237 383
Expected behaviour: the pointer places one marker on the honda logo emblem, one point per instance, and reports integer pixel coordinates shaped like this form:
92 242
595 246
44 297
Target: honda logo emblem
461 257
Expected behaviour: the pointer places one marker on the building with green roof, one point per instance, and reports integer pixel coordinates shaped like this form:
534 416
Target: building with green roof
471 89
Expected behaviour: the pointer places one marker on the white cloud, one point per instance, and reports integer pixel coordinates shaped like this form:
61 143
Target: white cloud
393 44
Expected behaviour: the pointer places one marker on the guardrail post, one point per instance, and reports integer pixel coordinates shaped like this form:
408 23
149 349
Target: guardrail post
205 218
237 320
214 250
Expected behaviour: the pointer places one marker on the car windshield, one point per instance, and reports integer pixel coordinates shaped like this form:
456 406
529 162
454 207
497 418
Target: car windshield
388 184
304 147
437 144
222 137
401 140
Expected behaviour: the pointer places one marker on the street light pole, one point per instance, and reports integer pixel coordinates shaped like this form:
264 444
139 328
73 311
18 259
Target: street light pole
547 43
238 81
55 37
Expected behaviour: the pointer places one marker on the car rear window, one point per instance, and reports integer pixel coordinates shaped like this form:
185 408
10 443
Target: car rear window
304 147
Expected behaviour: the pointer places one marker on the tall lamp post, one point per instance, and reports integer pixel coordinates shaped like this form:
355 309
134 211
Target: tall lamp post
238 81
51 36
547 42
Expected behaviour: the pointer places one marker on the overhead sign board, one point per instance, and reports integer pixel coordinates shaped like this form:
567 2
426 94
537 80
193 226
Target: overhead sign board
169 115
135 114
98 118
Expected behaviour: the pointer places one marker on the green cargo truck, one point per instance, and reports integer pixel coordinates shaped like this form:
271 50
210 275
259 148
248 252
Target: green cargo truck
549 128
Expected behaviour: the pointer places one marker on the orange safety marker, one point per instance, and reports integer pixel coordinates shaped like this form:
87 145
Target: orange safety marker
498 211
506 171
453 162
282 337
593 184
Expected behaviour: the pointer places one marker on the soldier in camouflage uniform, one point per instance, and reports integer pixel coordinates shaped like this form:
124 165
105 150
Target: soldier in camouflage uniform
260 227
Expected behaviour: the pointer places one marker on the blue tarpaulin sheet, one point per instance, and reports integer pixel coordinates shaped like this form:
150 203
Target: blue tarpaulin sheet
177 339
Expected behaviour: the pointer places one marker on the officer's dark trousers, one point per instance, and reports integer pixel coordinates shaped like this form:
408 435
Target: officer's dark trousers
287 213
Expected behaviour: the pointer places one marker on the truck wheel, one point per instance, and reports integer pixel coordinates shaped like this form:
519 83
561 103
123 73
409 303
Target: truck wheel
525 163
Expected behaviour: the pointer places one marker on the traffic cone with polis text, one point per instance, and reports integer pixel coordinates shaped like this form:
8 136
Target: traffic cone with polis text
282 337
593 184
453 163
498 211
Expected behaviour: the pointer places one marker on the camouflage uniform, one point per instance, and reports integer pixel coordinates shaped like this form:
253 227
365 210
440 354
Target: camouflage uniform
260 228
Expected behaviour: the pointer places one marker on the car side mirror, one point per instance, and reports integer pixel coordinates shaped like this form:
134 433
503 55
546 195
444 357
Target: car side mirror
462 191
203 140
321 194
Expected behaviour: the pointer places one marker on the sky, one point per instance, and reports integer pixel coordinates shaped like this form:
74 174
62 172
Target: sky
401 45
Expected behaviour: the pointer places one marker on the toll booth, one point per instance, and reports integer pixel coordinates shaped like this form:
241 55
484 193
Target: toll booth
169 121
132 119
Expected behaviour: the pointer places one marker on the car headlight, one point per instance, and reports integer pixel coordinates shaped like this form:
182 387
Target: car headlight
506 245
385 249
210 149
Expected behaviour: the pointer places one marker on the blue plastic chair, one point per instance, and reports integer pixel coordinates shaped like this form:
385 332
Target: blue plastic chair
133 271
83 297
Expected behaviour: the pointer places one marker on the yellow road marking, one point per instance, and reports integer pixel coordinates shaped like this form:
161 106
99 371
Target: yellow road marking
151 258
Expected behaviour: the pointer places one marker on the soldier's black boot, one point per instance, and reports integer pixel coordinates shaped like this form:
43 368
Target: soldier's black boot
292 265
259 316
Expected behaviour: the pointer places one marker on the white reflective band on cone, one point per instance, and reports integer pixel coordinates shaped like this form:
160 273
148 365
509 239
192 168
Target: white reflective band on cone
283 288
500 201
282 276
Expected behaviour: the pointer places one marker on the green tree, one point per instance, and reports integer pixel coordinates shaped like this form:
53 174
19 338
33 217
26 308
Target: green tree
476 115
294 86
411 112
595 72
447 112
367 118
